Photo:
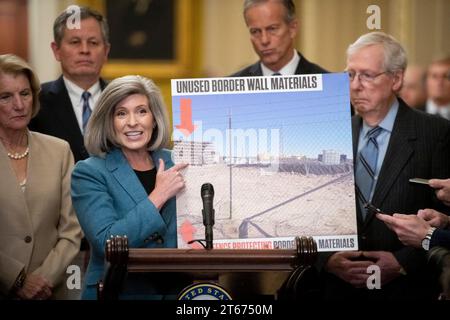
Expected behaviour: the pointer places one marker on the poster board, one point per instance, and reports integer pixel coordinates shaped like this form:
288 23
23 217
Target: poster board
278 151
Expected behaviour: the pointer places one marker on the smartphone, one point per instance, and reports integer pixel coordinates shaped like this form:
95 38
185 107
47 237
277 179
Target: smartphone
372 209
419 180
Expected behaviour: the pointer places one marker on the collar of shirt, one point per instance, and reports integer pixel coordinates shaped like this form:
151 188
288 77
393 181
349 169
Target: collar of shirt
386 124
288 69
76 99
433 108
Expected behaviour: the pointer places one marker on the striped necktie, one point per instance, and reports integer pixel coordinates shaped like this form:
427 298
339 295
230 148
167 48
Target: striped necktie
366 167
86 108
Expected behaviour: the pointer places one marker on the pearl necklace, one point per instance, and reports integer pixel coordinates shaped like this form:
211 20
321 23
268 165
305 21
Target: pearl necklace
19 156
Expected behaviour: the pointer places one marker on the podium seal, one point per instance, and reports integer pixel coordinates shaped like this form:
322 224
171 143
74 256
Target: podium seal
204 291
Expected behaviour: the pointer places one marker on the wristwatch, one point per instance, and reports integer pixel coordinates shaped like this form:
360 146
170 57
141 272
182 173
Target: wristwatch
427 239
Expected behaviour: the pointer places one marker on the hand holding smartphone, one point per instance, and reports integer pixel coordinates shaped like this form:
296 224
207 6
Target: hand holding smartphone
372 209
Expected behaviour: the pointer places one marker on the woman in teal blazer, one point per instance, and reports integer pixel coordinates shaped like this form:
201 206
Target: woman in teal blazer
128 185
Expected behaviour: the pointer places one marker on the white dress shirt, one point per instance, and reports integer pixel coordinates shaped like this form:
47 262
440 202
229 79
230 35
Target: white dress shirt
433 108
287 70
76 99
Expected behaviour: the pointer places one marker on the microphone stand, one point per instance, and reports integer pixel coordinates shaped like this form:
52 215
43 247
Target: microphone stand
206 243
209 237
207 193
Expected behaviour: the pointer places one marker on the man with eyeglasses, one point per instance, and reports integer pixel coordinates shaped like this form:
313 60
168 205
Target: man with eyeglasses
273 27
392 144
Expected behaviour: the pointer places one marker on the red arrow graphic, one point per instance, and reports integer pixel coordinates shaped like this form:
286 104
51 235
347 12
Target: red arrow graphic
187 231
186 126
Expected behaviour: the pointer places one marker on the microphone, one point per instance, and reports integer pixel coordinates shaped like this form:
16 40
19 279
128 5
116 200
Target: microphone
207 193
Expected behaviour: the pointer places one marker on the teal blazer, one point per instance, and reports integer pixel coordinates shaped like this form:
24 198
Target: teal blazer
110 200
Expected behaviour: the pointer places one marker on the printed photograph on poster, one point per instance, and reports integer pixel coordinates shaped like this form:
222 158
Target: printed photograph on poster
278 152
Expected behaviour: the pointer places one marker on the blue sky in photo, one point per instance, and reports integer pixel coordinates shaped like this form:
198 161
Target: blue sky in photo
309 121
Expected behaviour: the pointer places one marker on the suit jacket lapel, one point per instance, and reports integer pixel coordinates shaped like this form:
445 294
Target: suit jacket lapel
118 165
356 128
34 177
398 153
11 190
103 84
64 110
255 70
303 66
124 174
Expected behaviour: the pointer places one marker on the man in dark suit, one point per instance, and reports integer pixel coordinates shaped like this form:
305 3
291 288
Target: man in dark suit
67 102
273 28
392 144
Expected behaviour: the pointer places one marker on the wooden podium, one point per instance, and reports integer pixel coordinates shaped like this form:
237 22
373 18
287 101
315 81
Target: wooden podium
282 274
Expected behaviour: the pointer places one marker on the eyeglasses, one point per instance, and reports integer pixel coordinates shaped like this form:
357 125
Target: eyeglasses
364 77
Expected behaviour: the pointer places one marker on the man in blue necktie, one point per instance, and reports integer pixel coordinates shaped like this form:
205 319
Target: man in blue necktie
392 144
366 169
67 102
86 109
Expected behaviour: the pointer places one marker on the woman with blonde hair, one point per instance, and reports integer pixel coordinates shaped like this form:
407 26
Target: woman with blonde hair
39 232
